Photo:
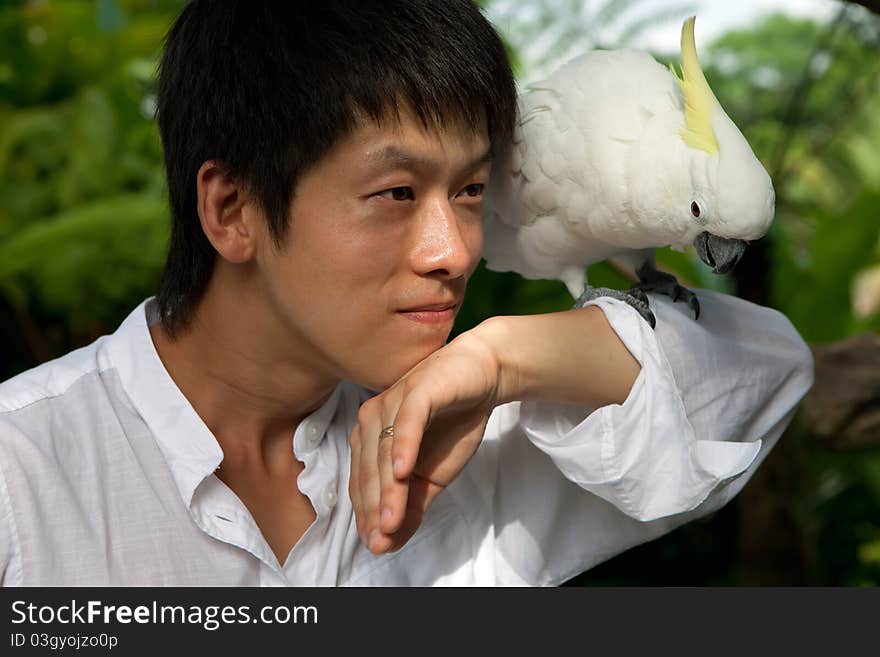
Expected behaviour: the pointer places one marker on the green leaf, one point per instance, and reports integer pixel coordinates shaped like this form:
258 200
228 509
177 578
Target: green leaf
90 264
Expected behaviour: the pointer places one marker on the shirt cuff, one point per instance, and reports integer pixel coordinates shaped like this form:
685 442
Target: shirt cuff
641 456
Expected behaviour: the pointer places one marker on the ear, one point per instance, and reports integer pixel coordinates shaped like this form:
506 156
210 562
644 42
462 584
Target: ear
226 213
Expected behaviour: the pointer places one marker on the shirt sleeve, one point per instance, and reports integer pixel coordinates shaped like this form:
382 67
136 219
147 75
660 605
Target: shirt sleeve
575 486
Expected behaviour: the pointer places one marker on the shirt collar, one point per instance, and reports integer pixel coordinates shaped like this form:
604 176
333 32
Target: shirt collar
190 449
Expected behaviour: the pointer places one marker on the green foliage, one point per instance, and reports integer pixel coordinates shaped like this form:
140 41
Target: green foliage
814 287
83 226
88 264
839 509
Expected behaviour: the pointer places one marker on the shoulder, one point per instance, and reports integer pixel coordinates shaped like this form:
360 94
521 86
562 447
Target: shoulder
60 400
40 409
51 379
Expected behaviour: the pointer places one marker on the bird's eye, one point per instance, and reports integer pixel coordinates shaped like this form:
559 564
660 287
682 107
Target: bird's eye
695 209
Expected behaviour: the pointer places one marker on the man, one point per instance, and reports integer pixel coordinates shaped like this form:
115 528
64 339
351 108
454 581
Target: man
286 411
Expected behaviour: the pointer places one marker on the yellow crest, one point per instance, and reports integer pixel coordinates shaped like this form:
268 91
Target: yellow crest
698 97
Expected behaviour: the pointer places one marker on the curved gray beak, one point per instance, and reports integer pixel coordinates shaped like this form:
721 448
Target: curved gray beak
720 253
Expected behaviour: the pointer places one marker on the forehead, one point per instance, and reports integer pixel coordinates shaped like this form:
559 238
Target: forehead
402 138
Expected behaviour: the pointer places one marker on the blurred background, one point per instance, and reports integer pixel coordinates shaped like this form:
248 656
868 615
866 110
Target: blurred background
84 227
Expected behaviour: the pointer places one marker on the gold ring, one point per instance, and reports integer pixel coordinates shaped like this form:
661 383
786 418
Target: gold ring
387 432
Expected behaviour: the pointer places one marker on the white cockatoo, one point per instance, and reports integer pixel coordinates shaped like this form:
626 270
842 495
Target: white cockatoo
616 155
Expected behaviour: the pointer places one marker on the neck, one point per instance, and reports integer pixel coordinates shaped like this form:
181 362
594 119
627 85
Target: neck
246 376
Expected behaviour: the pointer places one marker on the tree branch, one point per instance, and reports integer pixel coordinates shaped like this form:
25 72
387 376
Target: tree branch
842 410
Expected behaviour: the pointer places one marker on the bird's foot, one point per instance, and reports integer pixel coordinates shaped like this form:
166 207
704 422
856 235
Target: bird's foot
635 298
651 280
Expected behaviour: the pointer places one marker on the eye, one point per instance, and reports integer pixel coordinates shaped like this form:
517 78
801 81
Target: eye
474 190
398 194
695 209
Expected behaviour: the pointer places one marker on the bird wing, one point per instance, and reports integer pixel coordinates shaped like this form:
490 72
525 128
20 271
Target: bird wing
557 198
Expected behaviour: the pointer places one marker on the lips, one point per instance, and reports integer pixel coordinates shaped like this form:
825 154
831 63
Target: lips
431 313
432 307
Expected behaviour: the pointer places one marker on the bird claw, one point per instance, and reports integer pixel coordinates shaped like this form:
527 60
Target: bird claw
635 298
638 294
651 280
694 305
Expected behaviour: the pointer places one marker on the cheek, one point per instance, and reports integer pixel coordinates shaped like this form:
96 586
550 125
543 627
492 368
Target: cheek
336 289
340 255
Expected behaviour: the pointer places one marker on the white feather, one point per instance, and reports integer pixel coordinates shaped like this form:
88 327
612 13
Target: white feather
597 167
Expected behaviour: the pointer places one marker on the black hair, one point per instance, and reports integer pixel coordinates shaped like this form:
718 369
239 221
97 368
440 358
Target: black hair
267 88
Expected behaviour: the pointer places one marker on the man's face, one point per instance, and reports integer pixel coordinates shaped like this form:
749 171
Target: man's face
384 232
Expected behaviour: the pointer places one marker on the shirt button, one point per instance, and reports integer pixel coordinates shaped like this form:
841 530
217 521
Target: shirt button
330 498
311 436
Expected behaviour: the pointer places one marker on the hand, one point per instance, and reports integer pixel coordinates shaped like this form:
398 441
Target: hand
439 411
440 408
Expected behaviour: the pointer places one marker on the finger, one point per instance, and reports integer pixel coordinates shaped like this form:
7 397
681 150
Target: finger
370 423
354 490
410 425
421 493
393 491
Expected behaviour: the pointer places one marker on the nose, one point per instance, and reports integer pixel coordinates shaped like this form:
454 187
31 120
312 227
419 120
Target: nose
444 244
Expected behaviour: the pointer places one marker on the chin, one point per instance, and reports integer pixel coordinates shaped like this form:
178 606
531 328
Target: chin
390 370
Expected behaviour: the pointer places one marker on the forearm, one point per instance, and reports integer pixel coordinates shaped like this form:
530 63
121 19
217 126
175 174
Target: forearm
711 397
572 356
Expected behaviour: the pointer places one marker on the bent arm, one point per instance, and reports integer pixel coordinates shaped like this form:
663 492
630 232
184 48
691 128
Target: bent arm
546 357
710 400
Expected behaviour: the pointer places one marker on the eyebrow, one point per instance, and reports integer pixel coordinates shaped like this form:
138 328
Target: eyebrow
397 158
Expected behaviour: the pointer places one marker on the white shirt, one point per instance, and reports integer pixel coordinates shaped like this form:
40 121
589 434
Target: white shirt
107 472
